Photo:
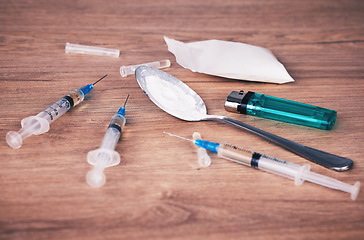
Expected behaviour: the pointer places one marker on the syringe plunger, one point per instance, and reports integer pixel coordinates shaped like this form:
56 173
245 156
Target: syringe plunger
101 158
30 125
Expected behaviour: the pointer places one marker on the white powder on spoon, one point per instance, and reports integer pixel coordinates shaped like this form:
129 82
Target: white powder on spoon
173 98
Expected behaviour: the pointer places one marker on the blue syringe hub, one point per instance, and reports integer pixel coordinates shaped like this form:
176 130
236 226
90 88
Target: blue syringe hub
86 89
122 111
207 145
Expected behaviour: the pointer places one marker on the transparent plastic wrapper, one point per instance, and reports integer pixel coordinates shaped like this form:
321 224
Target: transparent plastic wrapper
83 49
229 59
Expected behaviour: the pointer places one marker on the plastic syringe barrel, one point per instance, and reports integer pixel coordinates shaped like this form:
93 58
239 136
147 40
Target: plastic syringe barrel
286 169
113 132
64 104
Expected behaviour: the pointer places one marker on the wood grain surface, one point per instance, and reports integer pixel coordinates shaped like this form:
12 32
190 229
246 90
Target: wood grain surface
158 191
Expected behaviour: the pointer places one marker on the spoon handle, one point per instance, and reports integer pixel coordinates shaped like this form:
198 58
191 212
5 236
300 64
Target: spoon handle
325 159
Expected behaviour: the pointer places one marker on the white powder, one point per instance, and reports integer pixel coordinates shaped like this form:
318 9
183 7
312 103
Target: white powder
173 98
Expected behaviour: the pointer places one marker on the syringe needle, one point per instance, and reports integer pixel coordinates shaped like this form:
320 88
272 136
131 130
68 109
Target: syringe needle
126 100
99 80
173 135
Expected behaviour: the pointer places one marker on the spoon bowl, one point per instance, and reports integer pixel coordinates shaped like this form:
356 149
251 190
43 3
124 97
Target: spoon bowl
171 94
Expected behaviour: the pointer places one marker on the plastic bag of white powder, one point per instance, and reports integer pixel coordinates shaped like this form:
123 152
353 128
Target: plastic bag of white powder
229 59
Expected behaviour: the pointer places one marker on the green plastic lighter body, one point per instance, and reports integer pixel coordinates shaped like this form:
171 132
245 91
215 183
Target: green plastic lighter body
279 109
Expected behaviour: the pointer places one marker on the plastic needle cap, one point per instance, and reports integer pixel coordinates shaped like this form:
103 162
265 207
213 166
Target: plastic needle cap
129 70
83 49
204 159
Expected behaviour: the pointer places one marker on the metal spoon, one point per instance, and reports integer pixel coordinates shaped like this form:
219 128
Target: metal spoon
179 100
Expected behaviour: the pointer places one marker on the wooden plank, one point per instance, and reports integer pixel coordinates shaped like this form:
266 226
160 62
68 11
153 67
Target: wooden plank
158 191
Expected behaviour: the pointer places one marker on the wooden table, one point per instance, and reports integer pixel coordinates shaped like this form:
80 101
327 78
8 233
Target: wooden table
158 191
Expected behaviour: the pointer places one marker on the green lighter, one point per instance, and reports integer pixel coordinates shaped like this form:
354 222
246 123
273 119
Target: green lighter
265 106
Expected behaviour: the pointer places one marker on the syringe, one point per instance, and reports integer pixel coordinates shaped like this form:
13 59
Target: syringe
106 156
40 123
286 169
